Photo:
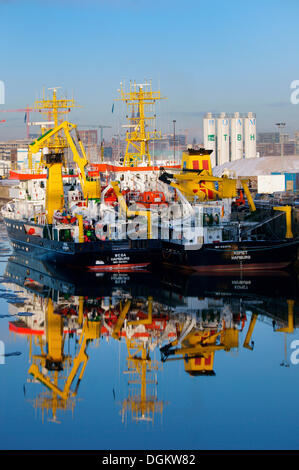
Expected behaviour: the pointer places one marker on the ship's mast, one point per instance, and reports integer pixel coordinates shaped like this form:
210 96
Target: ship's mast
139 99
143 403
55 108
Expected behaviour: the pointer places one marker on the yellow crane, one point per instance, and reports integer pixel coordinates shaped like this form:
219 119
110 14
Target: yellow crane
198 348
54 361
54 108
52 158
196 181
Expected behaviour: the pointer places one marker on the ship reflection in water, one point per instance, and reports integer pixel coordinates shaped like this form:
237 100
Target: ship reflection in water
161 320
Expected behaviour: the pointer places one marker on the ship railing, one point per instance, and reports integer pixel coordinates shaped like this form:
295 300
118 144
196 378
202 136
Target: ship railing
260 224
39 218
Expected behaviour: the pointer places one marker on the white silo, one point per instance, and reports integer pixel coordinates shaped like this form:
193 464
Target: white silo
250 136
209 136
236 137
222 139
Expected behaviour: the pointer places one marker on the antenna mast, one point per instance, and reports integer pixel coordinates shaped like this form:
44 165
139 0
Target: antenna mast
139 99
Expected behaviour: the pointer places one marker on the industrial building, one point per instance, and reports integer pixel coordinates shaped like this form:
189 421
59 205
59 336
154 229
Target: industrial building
296 142
274 143
88 136
7 147
268 137
266 174
230 136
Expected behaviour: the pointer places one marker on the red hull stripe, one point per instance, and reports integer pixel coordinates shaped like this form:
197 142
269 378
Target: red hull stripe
239 267
226 269
117 267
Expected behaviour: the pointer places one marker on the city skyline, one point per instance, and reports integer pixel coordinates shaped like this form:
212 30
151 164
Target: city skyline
203 57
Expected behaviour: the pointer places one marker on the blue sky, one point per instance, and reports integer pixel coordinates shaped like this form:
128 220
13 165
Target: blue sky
204 56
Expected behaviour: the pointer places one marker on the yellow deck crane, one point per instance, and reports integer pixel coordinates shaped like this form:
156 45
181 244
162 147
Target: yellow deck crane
196 181
54 108
53 161
198 348
54 362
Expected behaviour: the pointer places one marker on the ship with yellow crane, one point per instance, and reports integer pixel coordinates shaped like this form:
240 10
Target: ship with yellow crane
203 233
194 217
177 215
66 220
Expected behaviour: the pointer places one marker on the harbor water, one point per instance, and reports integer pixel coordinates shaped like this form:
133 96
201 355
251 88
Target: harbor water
155 361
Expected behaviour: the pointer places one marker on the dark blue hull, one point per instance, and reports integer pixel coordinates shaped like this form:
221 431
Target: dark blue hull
108 255
225 257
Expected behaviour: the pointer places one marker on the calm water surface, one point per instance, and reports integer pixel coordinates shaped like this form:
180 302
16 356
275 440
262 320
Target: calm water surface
153 362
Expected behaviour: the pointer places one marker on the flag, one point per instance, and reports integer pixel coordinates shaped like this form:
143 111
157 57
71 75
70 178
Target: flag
25 118
112 108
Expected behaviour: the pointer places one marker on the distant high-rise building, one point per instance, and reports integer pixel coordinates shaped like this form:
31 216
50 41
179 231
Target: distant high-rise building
180 140
89 136
274 148
268 137
284 138
296 139
7 146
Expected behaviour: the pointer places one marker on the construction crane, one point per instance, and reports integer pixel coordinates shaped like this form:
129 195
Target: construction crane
41 106
27 112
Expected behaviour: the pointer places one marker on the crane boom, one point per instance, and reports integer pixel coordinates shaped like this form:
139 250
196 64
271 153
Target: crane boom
54 193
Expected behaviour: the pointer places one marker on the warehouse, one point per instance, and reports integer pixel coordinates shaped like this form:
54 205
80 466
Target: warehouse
283 172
